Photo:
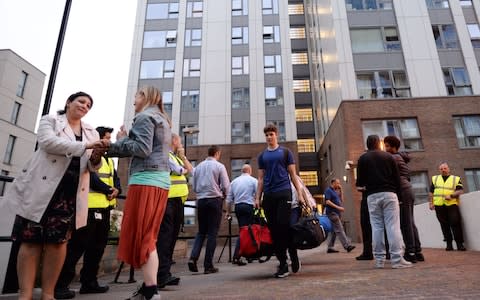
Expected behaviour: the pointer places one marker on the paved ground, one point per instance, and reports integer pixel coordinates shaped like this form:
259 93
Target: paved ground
444 275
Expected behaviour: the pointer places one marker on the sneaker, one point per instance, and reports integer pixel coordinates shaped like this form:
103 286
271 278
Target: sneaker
93 288
296 264
192 266
419 256
331 250
282 272
402 264
168 280
350 248
239 262
379 264
210 270
411 257
139 294
449 246
364 257
64 293
461 247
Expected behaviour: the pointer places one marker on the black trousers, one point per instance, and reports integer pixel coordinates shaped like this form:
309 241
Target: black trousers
366 227
450 220
407 222
167 236
89 241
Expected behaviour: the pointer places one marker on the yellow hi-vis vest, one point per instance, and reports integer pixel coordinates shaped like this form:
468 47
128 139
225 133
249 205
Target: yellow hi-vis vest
178 183
444 188
105 173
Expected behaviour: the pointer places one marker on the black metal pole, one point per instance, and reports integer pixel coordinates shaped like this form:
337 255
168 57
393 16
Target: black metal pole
56 59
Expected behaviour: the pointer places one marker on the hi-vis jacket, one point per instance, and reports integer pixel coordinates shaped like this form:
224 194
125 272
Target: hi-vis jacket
444 188
178 183
106 175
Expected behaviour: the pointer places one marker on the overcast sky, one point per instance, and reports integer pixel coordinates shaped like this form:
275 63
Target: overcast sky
96 50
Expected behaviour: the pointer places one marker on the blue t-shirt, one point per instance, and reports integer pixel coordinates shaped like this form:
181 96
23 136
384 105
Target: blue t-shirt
331 195
275 164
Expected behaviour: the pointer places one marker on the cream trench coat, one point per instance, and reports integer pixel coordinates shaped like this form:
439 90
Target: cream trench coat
32 190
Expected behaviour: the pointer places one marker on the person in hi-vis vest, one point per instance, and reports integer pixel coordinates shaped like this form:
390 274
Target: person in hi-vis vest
444 196
180 167
90 241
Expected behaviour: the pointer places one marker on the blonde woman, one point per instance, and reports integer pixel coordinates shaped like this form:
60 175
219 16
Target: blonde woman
148 144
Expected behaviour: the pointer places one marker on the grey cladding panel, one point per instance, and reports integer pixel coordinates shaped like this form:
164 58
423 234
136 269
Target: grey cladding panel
440 16
275 113
164 24
299 44
273 80
240 115
161 84
240 50
192 52
451 58
240 21
301 71
191 83
239 81
303 100
305 130
297 20
477 55
470 16
189 117
158 53
371 18
378 61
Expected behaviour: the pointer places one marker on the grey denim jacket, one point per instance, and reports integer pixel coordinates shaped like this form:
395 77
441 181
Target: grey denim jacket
148 142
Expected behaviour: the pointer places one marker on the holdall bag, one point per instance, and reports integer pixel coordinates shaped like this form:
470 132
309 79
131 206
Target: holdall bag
256 240
307 232
325 222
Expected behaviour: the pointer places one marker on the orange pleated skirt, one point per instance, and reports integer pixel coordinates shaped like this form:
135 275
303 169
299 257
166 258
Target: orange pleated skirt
142 215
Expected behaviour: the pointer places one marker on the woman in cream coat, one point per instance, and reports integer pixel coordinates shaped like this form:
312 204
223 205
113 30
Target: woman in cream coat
52 187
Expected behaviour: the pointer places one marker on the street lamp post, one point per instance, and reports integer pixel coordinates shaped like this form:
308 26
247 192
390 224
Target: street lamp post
188 131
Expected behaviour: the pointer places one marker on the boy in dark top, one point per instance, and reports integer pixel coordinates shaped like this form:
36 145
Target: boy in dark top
275 168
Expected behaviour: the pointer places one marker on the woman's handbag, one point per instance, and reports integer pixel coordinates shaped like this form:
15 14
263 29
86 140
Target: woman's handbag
256 240
307 232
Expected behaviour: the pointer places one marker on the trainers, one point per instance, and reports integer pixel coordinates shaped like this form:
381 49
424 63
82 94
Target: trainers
239 262
167 280
296 264
192 266
411 257
210 270
402 264
449 246
330 250
282 271
350 248
364 257
141 290
379 264
461 247
93 288
419 256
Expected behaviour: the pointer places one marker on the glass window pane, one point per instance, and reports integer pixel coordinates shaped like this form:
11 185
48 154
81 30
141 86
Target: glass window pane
474 31
151 69
366 40
460 77
157 11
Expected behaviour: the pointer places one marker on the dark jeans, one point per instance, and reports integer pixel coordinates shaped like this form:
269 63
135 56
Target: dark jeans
244 213
407 223
450 220
167 236
366 227
278 208
209 216
89 241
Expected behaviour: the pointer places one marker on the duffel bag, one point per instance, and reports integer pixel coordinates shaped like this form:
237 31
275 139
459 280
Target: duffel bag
256 240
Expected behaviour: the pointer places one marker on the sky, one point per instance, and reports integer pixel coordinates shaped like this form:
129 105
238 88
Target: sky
95 55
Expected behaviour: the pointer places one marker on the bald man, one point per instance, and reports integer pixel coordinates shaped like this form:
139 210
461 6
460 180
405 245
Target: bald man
242 194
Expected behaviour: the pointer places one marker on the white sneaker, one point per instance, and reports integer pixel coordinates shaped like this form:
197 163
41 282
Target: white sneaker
402 264
379 264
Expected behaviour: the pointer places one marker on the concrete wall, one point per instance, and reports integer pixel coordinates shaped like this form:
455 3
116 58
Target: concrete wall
6 222
429 228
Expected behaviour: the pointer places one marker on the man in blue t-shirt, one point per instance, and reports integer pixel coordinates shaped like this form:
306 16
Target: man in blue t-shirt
275 168
334 209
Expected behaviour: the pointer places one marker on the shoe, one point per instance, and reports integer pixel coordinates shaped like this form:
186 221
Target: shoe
282 271
139 294
379 264
350 248
169 280
192 266
93 288
239 262
210 270
461 247
330 250
419 256
364 257
296 264
411 257
64 293
449 246
402 264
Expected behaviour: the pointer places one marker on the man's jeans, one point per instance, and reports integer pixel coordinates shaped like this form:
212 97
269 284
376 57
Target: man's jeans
209 217
384 214
338 230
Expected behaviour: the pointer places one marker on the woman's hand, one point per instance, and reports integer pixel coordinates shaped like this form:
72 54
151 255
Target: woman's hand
100 144
122 132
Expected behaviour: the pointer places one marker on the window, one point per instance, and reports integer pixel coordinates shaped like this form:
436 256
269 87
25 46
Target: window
273 96
7 159
193 37
239 7
473 179
190 100
296 9
240 132
167 98
303 115
474 31
239 35
15 113
192 139
437 3
306 145
240 98
160 39
191 67
457 81
382 84
272 64
3 183
271 34
236 166
467 129
375 39
195 9
157 69
240 65
300 58
405 129
309 178
297 33
466 2
162 11
301 85
368 4
281 129
420 186
22 82
445 36
270 7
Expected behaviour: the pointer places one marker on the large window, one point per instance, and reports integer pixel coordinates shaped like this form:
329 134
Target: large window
474 31
368 4
3 183
271 34
299 58
306 145
193 37
303 115
382 84
445 36
22 82
296 9
466 2
239 7
239 35
191 67
195 9
457 81
167 98
309 178
190 100
297 33
270 7
467 129
301 85
437 3
7 158
240 65
405 129
272 64
273 96
473 179
420 186
162 11
374 39
160 39
15 113
240 98
150 69
240 132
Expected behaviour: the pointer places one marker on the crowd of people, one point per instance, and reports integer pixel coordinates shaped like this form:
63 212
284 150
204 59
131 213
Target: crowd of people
63 197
